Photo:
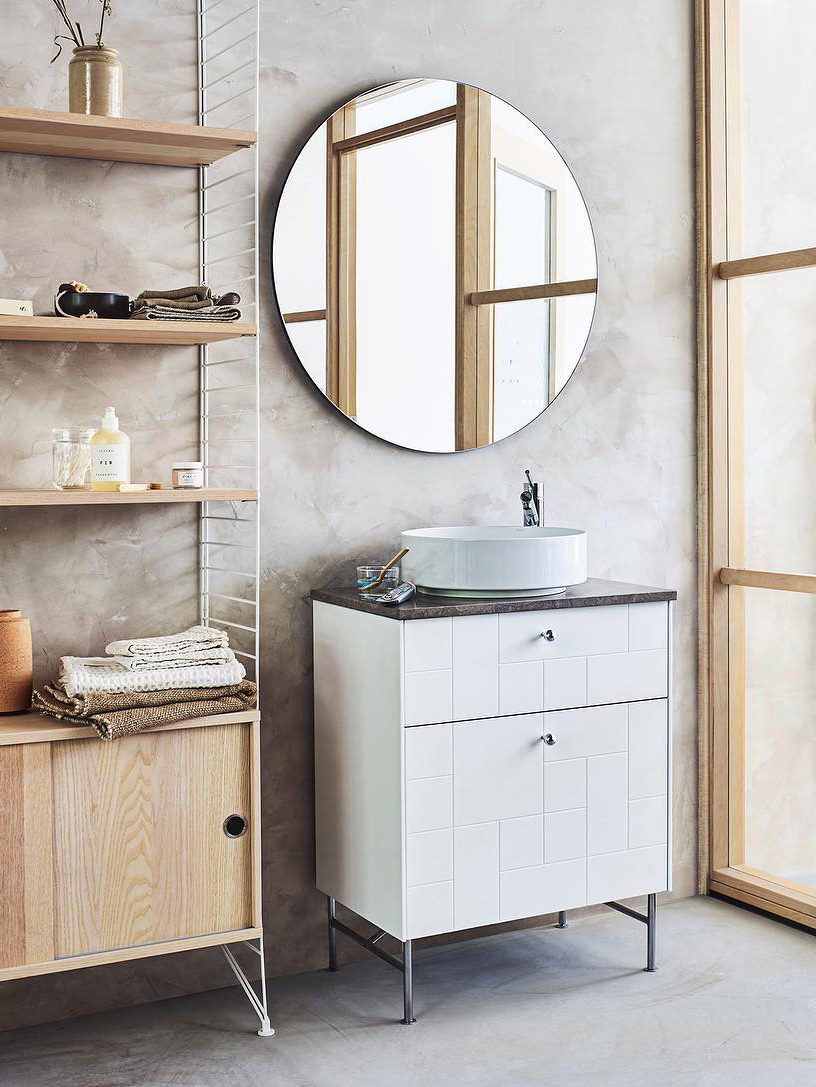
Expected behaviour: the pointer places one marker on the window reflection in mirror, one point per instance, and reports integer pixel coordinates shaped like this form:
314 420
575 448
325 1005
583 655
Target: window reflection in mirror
434 264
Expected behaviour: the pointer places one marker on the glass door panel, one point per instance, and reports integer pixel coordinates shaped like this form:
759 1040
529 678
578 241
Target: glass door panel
780 734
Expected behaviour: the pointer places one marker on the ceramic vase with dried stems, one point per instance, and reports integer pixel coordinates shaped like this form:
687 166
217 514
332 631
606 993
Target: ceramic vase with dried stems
95 81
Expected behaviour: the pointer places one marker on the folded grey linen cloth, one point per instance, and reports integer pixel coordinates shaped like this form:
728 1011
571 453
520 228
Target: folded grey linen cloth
173 303
172 313
124 714
197 293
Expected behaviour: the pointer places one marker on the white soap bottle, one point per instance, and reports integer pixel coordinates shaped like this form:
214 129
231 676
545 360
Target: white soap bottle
110 455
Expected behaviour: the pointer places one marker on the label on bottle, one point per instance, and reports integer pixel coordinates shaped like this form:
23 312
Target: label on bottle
109 463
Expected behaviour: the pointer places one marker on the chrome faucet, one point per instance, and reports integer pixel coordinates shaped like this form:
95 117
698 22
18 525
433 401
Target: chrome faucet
532 502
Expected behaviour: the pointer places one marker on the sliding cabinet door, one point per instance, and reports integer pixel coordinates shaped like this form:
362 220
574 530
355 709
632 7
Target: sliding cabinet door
759 608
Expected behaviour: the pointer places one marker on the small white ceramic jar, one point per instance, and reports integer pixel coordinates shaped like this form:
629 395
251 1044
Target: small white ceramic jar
188 475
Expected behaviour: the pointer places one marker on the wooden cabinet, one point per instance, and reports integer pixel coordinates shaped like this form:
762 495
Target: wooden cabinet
472 769
117 850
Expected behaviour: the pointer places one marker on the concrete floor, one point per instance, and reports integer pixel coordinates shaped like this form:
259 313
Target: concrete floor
733 1002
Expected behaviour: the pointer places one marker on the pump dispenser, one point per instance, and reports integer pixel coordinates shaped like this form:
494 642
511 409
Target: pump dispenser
110 455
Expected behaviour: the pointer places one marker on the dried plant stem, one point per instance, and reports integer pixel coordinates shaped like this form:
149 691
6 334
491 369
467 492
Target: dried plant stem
105 10
60 6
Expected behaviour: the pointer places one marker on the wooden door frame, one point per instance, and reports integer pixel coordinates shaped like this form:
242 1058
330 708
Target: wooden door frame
722 578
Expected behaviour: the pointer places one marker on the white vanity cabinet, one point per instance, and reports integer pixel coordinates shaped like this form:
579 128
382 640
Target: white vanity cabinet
488 766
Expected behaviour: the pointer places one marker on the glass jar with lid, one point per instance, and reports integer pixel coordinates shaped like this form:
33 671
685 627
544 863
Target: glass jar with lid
71 457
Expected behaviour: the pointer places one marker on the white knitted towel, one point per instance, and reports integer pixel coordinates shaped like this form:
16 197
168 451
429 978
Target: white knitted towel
192 640
182 660
82 675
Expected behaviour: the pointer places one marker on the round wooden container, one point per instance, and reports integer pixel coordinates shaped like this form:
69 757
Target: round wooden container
16 674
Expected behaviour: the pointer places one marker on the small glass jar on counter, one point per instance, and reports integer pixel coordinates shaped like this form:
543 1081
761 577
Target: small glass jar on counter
368 574
71 457
188 475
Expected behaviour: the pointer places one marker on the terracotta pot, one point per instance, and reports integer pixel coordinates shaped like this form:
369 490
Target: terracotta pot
16 674
95 82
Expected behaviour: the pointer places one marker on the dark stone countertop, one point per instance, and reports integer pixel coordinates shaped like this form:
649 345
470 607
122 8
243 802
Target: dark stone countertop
592 593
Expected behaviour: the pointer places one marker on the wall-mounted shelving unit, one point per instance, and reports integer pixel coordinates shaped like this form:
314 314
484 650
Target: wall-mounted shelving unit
117 139
150 333
20 497
222 890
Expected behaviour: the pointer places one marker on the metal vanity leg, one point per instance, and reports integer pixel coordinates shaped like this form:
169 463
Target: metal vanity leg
332 904
408 983
562 919
651 925
258 1002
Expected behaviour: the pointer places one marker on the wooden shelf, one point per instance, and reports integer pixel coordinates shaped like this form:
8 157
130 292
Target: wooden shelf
19 497
82 330
32 728
116 139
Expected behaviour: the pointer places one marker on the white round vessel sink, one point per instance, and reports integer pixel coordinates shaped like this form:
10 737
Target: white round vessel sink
494 562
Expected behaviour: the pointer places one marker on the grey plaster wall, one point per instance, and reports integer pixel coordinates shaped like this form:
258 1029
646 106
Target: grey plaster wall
611 84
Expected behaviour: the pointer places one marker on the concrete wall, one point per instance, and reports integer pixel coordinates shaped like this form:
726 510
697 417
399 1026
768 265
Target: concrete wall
611 85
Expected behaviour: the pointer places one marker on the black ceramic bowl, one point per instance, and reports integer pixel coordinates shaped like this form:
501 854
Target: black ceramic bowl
78 303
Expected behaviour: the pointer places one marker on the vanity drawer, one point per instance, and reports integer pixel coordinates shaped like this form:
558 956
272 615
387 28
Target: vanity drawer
475 667
569 632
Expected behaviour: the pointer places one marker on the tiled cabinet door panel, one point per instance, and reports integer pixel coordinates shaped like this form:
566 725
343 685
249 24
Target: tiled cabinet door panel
545 888
475 666
569 632
648 753
648 626
428 804
502 825
607 803
498 771
428 751
627 677
430 909
597 730
428 645
476 875
428 697
626 875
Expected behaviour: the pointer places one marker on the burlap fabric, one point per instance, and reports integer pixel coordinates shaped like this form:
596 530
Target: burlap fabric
115 715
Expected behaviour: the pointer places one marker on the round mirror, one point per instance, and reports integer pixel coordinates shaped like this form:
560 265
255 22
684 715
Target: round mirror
434 265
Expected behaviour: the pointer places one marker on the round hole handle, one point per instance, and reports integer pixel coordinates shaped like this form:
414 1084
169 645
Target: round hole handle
548 635
235 826
548 739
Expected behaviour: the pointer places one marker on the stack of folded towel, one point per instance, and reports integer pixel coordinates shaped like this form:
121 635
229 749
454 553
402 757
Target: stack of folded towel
195 303
147 682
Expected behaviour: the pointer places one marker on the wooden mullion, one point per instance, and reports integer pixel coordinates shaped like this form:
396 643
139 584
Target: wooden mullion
334 131
301 316
716 600
466 315
484 212
564 289
766 579
341 264
352 142
790 260
737 675
704 490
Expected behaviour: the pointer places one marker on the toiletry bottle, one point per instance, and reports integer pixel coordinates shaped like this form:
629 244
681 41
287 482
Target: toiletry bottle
110 455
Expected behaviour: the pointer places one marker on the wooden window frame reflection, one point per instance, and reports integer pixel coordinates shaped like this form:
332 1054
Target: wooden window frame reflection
474 297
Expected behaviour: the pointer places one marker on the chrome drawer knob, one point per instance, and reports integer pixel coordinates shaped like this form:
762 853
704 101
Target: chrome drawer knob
548 635
548 739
